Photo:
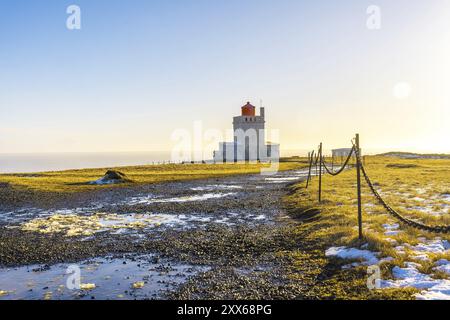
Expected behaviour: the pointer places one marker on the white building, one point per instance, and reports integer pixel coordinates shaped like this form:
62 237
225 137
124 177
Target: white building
342 153
249 139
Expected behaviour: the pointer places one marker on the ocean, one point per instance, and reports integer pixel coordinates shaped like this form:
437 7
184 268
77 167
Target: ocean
39 162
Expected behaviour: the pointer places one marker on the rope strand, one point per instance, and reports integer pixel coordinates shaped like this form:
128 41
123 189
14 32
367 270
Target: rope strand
343 166
396 214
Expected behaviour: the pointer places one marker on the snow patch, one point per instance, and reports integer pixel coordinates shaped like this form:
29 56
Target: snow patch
443 265
149 199
410 277
282 180
216 187
105 181
421 256
434 246
391 229
370 258
82 225
387 259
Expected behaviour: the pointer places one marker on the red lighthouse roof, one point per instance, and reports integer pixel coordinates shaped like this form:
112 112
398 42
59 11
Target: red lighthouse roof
248 110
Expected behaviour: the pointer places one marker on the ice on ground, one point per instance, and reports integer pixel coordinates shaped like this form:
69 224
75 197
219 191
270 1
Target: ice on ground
105 181
438 292
202 197
79 225
391 229
198 218
22 215
392 233
216 187
428 210
412 278
422 250
73 225
149 199
443 265
259 217
282 180
433 246
224 220
420 256
369 257
392 241
303 172
110 278
422 209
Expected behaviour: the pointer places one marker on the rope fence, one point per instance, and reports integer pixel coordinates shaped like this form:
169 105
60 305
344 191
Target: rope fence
360 169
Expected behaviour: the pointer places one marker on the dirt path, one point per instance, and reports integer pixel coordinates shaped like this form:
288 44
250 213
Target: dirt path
215 238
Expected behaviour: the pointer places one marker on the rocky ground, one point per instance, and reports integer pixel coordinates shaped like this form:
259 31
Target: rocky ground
227 238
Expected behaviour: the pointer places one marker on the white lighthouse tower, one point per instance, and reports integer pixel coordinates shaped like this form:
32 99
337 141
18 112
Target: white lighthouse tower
249 139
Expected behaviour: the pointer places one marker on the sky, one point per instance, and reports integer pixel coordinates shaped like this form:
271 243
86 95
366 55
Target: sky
137 71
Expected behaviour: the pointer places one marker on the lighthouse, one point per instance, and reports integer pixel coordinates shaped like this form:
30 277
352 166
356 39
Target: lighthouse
249 139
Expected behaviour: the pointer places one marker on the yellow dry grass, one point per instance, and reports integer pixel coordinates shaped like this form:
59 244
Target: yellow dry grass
417 188
74 180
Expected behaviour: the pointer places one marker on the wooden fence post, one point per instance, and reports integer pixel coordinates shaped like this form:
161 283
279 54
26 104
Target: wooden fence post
311 161
358 184
320 172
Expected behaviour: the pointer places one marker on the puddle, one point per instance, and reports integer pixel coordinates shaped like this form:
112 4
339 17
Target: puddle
283 179
87 225
216 187
142 277
77 225
149 199
249 271
90 216
24 215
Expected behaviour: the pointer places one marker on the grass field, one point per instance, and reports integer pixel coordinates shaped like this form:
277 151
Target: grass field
75 180
417 188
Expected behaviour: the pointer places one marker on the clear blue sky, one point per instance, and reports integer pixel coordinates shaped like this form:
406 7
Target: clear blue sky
138 70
